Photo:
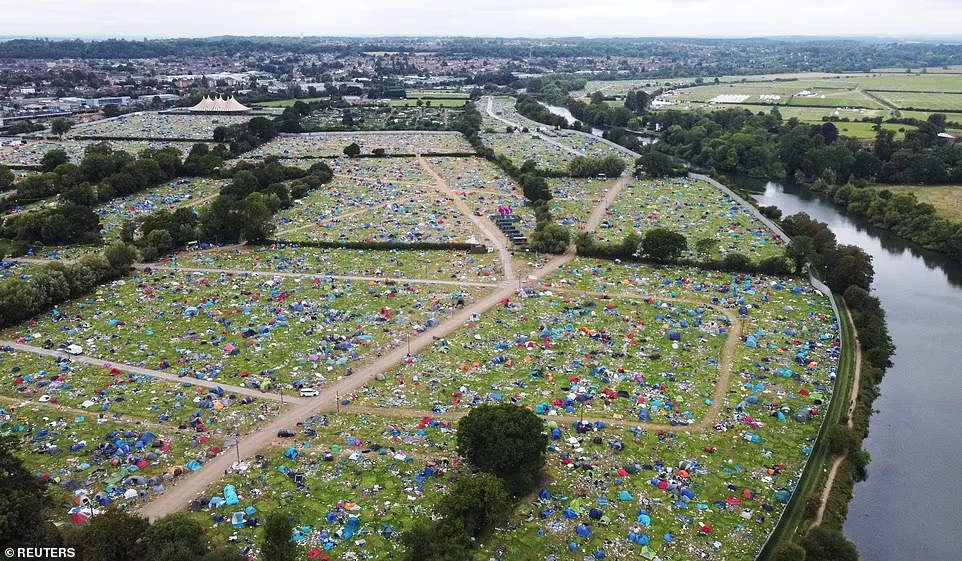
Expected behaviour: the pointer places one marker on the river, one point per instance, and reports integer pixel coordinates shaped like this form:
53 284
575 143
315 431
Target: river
909 504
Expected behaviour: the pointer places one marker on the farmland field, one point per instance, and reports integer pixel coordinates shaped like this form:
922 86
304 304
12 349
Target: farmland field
933 101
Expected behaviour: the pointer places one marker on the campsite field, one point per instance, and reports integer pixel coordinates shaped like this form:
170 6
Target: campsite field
573 199
159 125
545 351
332 144
355 482
694 209
523 146
431 265
404 214
183 192
92 429
31 154
472 174
429 102
380 212
703 392
246 329
611 487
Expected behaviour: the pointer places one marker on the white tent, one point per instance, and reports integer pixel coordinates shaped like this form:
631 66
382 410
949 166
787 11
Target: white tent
219 105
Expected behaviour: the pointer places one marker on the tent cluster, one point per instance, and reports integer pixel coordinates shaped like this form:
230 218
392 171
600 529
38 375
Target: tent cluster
693 208
292 259
563 354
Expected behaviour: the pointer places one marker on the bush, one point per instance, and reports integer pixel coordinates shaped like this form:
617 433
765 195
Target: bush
479 502
551 238
662 244
506 441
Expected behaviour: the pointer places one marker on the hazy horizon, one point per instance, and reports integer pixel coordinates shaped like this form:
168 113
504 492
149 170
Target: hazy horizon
137 19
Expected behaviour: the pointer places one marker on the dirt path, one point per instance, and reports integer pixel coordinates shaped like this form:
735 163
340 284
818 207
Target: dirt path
130 369
288 274
533 131
195 484
853 401
600 211
483 223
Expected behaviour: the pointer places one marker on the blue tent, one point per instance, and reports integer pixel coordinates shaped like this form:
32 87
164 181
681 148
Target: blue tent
583 531
644 519
230 494
351 527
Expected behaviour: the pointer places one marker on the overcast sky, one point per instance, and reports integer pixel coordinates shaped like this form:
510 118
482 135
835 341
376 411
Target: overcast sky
504 18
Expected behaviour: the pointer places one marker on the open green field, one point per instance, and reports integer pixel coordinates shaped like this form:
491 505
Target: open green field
289 102
865 131
947 199
912 83
459 102
933 101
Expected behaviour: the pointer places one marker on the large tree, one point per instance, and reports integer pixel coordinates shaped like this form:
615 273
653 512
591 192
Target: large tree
662 244
112 536
824 544
507 441
60 127
175 536
478 501
277 544
24 502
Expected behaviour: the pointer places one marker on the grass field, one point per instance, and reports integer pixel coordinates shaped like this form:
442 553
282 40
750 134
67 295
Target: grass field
289 102
912 82
934 101
867 130
947 199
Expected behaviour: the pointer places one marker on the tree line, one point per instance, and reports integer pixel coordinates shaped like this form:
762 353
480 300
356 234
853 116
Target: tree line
243 210
902 213
765 145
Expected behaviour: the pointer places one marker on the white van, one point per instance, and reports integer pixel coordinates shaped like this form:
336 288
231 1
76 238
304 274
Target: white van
308 392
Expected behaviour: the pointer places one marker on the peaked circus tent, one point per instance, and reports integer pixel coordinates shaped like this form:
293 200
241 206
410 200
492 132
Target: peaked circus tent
218 104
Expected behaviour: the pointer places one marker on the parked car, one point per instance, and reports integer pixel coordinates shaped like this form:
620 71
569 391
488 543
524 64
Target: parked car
308 392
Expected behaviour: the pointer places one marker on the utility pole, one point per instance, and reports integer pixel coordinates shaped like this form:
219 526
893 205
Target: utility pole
337 402
237 446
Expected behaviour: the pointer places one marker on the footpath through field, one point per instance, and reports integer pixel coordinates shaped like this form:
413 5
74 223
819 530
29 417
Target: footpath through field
853 401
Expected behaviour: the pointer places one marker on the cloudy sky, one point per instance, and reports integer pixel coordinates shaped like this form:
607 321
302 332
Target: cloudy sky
505 18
